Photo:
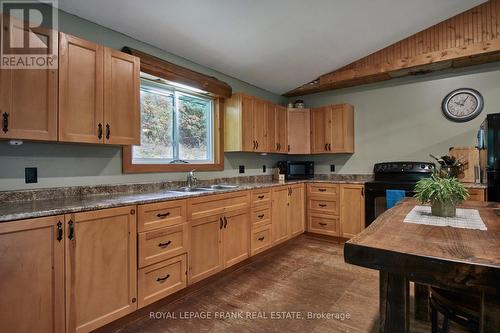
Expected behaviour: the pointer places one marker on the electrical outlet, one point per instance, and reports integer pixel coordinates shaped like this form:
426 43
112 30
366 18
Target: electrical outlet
242 169
30 175
264 168
332 167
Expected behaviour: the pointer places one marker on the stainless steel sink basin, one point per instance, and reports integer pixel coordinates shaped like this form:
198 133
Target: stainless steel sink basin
219 187
190 190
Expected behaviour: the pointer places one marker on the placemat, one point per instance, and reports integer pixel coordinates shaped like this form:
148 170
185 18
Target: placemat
465 218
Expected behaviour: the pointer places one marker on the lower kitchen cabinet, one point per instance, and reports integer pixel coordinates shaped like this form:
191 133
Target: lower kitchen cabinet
32 275
288 212
324 224
279 214
101 267
352 209
206 250
162 279
261 239
218 242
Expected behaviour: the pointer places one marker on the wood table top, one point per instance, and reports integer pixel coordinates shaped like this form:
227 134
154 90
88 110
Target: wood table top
461 256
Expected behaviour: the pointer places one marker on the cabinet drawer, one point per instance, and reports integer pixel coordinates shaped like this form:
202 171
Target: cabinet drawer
327 189
162 214
476 194
216 204
261 239
162 244
259 197
324 205
323 224
162 279
261 215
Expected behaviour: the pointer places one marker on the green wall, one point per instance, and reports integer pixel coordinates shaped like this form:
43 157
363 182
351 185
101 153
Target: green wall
72 164
401 120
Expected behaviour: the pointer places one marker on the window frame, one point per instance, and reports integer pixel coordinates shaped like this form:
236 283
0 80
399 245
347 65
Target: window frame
218 149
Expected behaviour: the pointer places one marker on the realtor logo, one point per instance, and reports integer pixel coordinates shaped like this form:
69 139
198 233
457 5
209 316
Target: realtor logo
29 34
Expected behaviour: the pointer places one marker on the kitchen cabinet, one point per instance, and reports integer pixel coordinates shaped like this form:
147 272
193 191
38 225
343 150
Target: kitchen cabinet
28 99
288 212
332 129
32 275
220 233
101 267
98 93
278 129
476 194
299 138
352 209
246 124
323 212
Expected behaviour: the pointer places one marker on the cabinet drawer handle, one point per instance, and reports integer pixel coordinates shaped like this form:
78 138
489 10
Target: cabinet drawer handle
162 215
108 131
163 278
221 223
225 222
59 231
330 146
261 216
5 123
261 238
321 189
326 146
164 244
288 147
322 205
99 131
260 197
254 144
71 233
321 223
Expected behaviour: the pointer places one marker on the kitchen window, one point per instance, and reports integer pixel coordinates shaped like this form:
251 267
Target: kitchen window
179 129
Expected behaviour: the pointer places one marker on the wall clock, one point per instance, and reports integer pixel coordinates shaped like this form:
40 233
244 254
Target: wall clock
462 105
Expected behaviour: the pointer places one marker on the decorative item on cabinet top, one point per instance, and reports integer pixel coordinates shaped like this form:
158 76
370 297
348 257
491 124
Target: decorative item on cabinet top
255 125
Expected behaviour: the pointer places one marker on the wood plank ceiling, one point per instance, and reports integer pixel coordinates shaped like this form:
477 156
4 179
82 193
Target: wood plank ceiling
472 37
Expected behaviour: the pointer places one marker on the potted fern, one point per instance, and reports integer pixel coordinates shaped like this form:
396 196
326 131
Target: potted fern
443 193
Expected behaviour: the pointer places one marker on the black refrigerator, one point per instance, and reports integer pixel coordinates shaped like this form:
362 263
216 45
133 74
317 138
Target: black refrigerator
491 127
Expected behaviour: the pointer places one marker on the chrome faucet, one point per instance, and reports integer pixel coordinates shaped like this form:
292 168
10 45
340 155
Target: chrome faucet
191 179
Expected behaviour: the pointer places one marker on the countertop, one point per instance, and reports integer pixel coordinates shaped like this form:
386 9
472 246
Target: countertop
17 210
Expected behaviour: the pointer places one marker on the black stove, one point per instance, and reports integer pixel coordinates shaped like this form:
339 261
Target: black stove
392 176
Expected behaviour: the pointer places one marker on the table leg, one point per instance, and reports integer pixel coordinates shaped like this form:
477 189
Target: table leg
421 302
394 303
490 313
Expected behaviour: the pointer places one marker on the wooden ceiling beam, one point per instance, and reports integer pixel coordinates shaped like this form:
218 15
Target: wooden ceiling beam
472 37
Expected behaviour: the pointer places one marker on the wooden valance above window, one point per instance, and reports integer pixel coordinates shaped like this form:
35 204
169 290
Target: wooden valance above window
175 73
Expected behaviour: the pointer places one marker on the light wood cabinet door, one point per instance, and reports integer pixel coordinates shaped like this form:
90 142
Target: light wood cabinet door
279 214
296 210
236 236
278 134
80 90
352 209
341 122
121 98
205 256
28 98
260 122
32 275
101 267
319 130
299 138
247 123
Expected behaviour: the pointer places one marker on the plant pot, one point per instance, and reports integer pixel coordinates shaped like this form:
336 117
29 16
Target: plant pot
444 209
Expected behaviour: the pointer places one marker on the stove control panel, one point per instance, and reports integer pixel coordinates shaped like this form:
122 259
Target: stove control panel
403 167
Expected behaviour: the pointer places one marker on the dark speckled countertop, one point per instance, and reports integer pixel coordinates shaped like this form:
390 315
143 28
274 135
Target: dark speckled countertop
45 202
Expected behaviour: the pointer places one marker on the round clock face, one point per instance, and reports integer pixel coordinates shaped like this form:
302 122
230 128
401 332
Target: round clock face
462 105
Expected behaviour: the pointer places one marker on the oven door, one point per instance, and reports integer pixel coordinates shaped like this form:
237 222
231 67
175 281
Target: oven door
375 198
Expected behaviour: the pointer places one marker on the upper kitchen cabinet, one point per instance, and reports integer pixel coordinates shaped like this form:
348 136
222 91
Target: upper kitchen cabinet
298 125
28 99
278 131
98 93
332 129
246 124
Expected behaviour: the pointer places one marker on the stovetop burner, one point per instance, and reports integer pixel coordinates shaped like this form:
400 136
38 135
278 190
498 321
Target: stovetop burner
402 171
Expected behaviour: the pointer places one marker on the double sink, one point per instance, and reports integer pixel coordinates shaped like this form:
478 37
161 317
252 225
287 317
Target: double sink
210 188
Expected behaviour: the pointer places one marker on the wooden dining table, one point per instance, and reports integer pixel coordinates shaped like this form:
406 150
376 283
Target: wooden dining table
444 257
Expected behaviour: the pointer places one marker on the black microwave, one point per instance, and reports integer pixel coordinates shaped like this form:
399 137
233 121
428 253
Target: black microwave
296 170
